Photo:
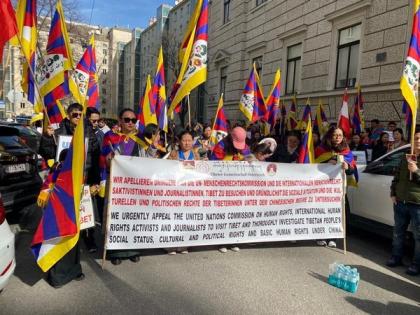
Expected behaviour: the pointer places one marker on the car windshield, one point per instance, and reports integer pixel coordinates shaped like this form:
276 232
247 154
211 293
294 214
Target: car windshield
10 142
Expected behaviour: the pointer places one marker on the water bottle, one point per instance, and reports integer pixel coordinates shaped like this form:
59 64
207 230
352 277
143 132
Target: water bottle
343 277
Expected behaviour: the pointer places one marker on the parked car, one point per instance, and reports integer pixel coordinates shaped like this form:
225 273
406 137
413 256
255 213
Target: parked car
19 180
29 136
7 249
370 203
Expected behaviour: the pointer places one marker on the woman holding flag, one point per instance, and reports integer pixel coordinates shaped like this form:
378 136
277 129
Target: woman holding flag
127 142
334 149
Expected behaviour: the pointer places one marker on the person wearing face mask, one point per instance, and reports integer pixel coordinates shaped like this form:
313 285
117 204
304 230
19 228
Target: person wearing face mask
289 152
127 142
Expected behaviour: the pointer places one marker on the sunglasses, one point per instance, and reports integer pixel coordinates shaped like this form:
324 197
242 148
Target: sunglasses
76 115
127 120
94 121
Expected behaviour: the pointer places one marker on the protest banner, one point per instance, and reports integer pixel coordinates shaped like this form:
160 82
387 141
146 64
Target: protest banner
87 218
162 203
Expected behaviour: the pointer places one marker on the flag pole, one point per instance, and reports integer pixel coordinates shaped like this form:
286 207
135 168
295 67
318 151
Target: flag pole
189 111
343 205
107 216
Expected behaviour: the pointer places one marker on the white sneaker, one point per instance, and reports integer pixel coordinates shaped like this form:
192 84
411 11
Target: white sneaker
332 244
172 253
235 249
321 243
223 250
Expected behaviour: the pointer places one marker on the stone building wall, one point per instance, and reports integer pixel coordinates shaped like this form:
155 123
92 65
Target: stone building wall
269 29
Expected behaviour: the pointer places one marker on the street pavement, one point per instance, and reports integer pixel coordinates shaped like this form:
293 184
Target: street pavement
272 278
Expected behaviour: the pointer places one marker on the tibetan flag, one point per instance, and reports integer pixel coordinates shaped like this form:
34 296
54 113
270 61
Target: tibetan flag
193 54
306 116
79 82
9 27
59 58
58 230
409 83
273 102
158 95
323 155
58 39
148 113
291 120
306 150
26 18
177 107
53 105
343 119
140 116
408 117
220 125
358 120
252 100
93 91
321 122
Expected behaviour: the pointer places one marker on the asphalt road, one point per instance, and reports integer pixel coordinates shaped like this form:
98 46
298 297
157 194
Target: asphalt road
273 278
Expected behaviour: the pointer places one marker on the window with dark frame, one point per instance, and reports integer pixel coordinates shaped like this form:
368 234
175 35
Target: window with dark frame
348 56
259 2
293 68
258 65
223 79
226 11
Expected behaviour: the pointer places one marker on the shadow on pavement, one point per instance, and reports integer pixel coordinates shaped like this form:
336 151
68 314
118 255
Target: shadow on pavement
389 283
26 268
381 280
160 299
373 307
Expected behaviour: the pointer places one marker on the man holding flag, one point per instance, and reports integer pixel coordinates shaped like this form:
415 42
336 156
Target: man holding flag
406 183
55 244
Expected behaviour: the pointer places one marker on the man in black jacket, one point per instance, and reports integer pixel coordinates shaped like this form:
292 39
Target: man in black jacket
47 145
405 195
92 172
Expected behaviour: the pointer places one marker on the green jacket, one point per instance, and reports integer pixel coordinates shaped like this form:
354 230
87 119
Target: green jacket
402 187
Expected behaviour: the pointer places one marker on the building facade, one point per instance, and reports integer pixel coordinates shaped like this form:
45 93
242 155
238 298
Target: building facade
320 46
151 42
15 101
118 38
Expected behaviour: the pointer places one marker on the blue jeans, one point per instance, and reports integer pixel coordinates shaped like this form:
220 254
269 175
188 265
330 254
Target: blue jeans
403 214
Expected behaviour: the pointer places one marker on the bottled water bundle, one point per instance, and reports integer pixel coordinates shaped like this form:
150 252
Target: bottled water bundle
344 277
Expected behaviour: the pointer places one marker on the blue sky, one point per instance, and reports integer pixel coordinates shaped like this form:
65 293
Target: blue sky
124 13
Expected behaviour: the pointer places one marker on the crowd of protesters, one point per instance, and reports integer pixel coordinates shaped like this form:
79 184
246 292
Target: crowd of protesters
242 143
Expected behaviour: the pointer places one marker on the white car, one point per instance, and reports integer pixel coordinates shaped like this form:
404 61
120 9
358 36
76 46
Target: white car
370 203
7 249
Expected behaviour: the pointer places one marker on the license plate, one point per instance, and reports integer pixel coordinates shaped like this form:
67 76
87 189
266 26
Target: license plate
15 168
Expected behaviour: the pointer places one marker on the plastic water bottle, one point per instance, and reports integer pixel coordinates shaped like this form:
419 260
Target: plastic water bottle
343 277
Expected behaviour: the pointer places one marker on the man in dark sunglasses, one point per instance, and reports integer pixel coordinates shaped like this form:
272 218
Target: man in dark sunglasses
67 128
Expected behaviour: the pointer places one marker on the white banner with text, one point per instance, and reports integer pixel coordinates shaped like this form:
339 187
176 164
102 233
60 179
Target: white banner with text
156 203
